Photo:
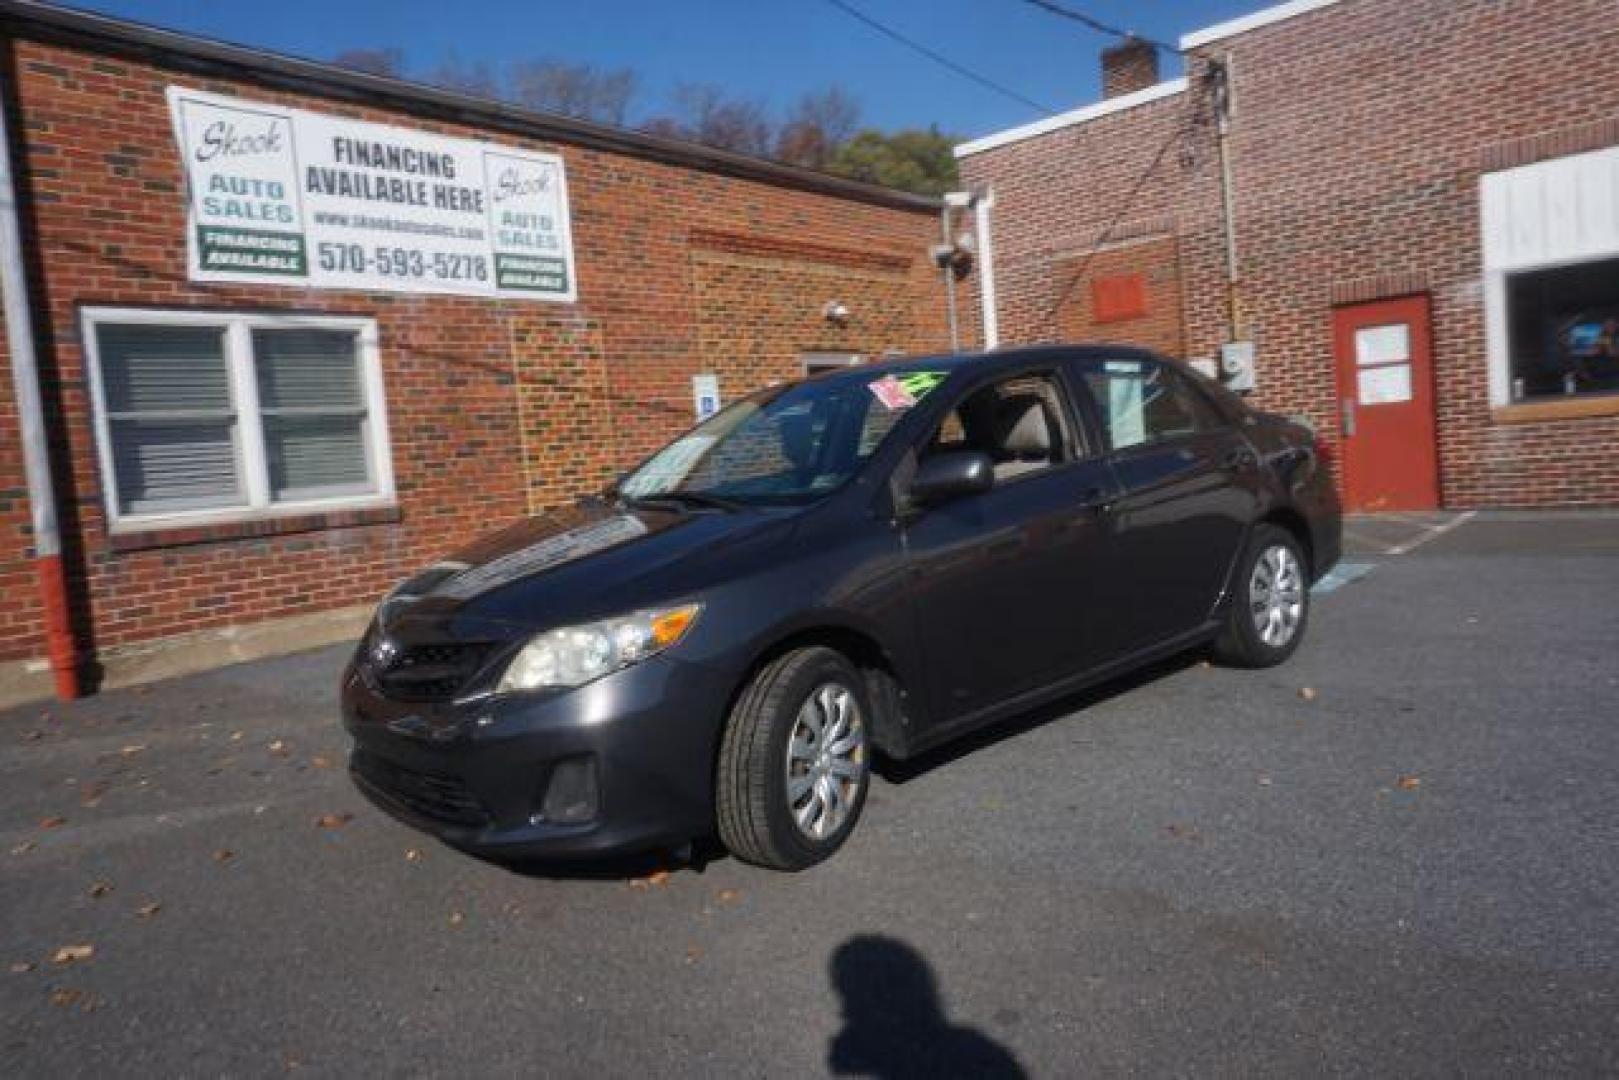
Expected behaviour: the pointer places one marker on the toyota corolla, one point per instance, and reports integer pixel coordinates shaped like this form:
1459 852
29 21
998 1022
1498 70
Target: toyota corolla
872 561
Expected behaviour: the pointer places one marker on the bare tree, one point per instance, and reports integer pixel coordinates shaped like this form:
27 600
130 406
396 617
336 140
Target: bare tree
665 127
709 116
579 90
474 78
389 62
817 127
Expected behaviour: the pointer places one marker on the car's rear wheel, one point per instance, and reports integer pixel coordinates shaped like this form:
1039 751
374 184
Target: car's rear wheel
1271 606
795 761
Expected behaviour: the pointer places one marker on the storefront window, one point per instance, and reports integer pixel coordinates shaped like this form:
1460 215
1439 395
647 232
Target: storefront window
214 417
1563 326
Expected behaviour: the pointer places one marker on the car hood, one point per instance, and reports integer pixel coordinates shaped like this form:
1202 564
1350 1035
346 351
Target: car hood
579 563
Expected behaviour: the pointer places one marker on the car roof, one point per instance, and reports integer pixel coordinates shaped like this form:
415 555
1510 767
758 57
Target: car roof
992 360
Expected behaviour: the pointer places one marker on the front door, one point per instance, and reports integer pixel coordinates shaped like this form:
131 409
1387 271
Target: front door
1005 582
1386 407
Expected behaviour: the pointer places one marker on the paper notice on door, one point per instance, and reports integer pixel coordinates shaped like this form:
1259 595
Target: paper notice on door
1385 385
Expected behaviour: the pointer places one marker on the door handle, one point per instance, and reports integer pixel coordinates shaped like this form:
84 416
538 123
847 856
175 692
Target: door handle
1349 417
1239 459
1096 500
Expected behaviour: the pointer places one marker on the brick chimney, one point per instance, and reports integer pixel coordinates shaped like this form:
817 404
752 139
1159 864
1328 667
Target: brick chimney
1128 66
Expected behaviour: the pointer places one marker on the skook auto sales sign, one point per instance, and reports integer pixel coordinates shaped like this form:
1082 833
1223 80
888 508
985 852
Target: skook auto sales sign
283 196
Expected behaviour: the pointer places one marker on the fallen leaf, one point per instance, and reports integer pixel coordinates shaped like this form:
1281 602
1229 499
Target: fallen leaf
412 855
65 997
334 821
132 749
278 747
729 896
456 918
656 879
319 762
100 889
1307 693
52 822
23 848
72 954
224 855
1409 783
22 967
692 954
33 736
236 736
146 911
1264 781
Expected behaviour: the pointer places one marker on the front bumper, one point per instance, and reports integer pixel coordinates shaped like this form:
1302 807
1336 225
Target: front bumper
476 774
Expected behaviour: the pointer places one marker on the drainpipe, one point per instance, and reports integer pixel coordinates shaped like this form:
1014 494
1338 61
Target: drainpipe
60 646
945 251
982 205
1228 198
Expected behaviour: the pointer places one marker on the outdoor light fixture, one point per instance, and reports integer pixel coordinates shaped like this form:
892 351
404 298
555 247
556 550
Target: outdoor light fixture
836 312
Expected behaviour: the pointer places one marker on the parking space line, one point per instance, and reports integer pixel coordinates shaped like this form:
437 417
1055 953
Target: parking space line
1344 573
1434 532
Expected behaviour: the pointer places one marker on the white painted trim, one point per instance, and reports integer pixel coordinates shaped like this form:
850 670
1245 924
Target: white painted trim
1072 117
251 463
1244 23
814 361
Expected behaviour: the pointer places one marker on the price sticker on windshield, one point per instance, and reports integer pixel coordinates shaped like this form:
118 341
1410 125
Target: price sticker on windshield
904 391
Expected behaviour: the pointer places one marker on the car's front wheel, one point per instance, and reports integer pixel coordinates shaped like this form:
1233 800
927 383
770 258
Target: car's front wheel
1271 605
795 761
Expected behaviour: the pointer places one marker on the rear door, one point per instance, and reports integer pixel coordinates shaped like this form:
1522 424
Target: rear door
1189 488
1004 581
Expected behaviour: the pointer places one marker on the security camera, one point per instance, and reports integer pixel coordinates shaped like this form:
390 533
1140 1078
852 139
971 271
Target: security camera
958 200
835 311
942 254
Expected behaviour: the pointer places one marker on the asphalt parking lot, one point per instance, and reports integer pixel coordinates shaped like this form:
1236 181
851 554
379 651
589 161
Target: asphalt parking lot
1398 853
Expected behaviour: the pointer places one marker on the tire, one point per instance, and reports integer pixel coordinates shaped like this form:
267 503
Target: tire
1264 624
791 813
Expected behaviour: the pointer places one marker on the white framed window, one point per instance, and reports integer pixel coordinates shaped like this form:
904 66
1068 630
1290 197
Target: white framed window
209 417
1551 278
817 363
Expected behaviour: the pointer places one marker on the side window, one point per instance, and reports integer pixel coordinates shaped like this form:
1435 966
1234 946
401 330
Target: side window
1022 423
1142 402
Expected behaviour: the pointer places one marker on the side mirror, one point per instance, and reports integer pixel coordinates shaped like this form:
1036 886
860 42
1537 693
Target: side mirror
950 476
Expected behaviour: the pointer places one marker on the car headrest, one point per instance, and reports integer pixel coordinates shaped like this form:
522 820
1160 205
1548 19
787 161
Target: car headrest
1023 426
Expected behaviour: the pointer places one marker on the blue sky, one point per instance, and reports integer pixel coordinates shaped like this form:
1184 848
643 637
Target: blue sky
773 50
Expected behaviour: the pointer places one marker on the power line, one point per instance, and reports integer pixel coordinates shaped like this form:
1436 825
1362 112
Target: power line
943 61
1099 26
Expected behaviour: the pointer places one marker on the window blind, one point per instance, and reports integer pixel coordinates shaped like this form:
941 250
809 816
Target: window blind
170 417
313 409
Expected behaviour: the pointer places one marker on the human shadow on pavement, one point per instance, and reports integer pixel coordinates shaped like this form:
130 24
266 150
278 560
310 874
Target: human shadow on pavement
893 1024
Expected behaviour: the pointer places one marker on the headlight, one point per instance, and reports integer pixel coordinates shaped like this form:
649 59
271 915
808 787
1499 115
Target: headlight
573 655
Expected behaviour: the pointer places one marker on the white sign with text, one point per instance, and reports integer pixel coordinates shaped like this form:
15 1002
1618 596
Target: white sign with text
281 196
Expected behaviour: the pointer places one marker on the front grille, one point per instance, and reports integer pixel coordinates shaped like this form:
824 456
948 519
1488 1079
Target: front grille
423 672
444 798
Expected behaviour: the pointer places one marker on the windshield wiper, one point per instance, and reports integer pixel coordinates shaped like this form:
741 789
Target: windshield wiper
704 499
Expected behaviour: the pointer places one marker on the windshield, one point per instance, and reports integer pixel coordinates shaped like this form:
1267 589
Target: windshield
788 447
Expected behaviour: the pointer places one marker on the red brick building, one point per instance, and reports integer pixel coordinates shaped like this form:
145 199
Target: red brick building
246 452
1423 233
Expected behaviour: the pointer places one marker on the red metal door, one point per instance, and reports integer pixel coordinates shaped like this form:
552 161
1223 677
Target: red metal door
1385 405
